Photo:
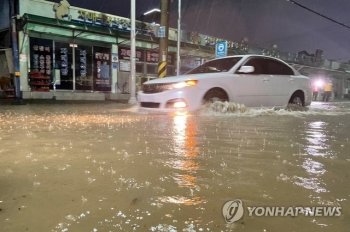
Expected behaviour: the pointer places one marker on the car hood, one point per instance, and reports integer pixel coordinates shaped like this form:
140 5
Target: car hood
175 79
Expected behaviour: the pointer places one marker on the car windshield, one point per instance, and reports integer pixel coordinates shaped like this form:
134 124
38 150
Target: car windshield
220 65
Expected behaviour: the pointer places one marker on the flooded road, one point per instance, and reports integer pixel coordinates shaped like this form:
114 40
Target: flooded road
105 167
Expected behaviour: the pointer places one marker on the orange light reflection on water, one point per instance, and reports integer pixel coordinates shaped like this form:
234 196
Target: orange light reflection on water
186 149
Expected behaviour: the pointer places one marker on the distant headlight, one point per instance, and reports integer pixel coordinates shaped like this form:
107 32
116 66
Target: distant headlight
184 84
319 83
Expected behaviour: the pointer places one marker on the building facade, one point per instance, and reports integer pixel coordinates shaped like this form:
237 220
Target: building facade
71 53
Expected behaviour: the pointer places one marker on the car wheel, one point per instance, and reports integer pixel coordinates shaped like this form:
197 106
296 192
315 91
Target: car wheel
214 95
297 99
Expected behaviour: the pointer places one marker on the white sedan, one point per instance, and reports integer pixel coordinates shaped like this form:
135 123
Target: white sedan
252 80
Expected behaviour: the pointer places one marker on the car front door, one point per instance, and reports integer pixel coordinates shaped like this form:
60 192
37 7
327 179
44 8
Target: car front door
252 89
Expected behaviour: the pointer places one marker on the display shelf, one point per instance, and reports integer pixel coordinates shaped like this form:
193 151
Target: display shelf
40 90
39 82
9 92
40 78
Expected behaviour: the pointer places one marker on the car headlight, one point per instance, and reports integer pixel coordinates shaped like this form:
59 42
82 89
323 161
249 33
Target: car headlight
183 84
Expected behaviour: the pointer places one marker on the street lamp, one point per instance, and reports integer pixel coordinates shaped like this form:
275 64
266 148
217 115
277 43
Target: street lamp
151 16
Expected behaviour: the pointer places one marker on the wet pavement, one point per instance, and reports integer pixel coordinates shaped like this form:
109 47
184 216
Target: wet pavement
106 167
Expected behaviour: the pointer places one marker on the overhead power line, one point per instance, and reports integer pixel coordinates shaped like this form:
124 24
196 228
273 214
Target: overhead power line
303 34
319 14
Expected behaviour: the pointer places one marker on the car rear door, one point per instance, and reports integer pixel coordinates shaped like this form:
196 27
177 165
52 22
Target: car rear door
283 82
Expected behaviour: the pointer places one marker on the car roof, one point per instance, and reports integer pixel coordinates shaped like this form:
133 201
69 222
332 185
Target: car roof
252 55
257 55
246 56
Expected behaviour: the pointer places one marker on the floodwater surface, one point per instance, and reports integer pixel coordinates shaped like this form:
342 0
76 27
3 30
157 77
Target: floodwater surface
106 167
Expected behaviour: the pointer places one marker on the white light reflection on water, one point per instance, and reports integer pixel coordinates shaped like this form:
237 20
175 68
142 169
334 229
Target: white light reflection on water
316 139
313 167
316 147
179 132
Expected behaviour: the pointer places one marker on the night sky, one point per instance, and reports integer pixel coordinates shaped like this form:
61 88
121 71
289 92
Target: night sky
264 22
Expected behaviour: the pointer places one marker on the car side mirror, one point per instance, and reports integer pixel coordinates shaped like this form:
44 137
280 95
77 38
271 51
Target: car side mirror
246 69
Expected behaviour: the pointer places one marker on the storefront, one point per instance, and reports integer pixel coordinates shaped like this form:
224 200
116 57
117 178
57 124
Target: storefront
146 65
188 63
81 51
65 48
70 66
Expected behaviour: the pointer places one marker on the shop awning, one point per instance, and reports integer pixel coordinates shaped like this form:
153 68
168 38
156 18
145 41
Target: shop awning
81 28
42 24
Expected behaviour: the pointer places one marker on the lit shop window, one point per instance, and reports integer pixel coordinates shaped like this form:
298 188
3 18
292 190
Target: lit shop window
41 56
102 69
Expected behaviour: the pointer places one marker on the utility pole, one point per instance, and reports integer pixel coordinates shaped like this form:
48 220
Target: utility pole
178 64
15 61
132 99
18 100
163 42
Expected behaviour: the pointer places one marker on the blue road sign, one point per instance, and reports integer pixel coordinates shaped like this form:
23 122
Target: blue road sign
221 49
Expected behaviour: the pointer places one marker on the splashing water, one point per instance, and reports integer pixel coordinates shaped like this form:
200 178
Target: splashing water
236 109
228 107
